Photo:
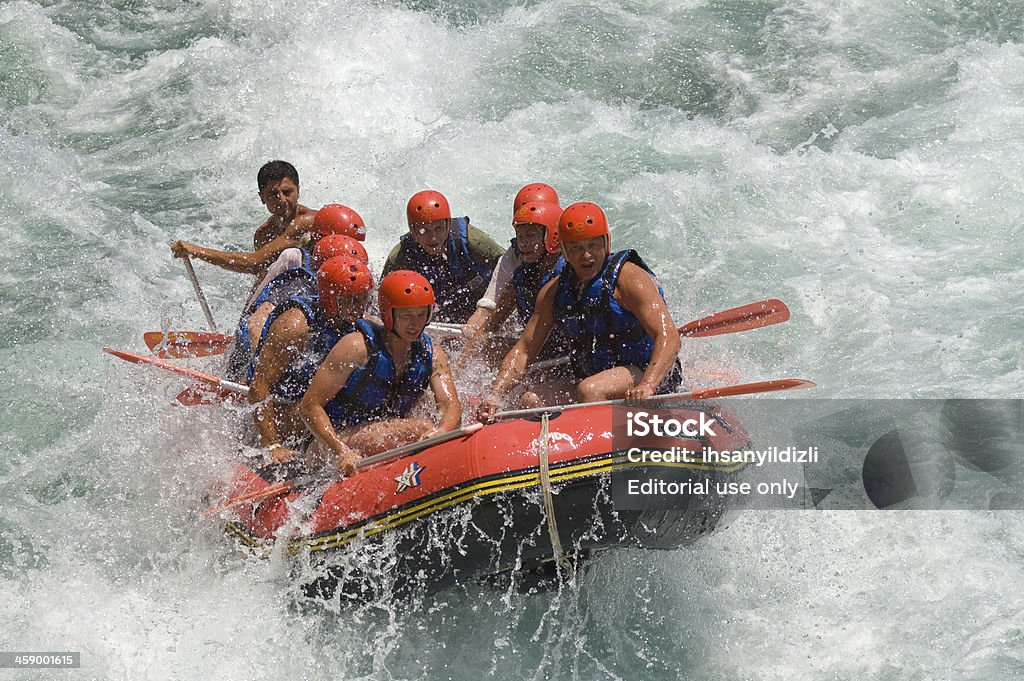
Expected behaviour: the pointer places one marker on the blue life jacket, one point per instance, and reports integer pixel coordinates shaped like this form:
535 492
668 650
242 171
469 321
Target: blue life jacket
374 392
322 337
601 333
527 281
297 281
458 281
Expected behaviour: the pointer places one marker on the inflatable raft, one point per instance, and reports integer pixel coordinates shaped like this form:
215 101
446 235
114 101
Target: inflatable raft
505 501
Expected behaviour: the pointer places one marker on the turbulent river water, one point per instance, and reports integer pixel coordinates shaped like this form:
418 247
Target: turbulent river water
862 161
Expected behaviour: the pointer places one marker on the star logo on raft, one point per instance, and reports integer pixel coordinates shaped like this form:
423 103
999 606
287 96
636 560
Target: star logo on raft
410 477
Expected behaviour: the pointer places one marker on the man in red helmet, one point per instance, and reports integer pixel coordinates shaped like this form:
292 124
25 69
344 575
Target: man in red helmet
455 257
535 192
296 339
622 340
529 263
360 400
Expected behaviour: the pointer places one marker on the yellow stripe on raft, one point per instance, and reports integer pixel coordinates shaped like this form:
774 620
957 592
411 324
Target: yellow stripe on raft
509 483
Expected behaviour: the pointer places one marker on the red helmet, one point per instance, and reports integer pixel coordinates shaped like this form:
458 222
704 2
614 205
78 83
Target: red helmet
337 244
342 275
427 206
335 218
582 221
541 213
535 193
403 288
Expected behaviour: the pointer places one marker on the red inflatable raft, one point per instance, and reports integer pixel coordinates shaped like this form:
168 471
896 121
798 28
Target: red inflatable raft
491 503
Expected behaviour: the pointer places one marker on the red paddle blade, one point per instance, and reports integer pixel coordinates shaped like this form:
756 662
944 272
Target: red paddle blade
215 382
168 366
752 316
184 344
197 395
750 388
268 492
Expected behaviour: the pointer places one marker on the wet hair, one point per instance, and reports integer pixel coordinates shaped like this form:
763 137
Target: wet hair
275 171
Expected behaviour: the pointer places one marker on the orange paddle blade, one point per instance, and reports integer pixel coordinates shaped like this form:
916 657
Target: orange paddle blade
743 318
268 492
183 371
750 388
184 344
198 395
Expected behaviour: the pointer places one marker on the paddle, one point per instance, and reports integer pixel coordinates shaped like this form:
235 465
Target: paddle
702 394
743 318
185 344
733 320
203 395
443 328
285 486
199 292
218 383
